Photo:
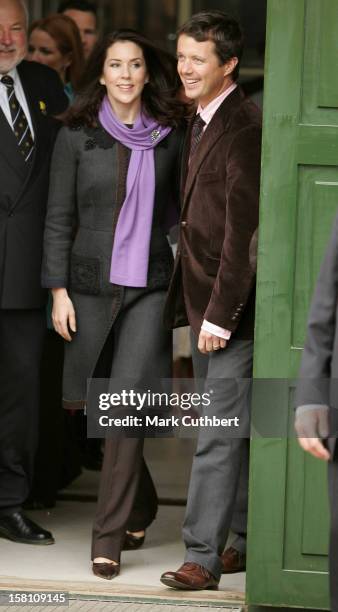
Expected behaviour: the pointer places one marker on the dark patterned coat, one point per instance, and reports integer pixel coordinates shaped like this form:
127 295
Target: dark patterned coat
87 190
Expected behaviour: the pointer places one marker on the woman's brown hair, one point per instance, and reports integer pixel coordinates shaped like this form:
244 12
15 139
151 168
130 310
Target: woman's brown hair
67 38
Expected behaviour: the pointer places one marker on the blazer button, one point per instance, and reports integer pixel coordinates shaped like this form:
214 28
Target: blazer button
11 214
183 223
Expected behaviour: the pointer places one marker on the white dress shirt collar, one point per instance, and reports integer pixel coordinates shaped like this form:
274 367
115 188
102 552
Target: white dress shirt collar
12 73
20 94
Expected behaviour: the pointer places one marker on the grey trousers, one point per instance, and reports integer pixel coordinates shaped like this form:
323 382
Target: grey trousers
218 491
333 552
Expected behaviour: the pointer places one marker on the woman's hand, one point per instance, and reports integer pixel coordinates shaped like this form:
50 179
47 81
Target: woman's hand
63 313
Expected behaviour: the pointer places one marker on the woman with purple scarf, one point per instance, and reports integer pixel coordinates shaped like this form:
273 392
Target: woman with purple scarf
114 184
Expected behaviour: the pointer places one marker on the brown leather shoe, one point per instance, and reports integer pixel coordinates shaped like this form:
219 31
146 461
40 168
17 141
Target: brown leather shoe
233 561
106 570
190 577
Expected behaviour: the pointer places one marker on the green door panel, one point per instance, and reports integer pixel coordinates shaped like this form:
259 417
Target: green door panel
321 49
314 525
317 199
306 510
288 513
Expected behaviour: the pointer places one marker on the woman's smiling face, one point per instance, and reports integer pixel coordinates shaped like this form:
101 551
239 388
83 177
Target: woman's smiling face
124 73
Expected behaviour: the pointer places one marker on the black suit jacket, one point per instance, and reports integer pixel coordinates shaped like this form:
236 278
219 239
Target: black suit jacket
24 190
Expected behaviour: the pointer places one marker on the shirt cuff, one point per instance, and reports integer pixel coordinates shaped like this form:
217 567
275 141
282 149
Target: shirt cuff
217 331
308 407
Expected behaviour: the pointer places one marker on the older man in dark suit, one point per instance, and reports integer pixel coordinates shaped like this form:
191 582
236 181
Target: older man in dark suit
316 396
214 283
29 95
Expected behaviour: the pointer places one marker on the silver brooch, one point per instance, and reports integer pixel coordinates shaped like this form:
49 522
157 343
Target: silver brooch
155 134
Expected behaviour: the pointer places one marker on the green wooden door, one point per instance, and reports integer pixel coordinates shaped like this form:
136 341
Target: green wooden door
288 518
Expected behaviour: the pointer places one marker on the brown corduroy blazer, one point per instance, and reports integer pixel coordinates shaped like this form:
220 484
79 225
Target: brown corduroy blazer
213 276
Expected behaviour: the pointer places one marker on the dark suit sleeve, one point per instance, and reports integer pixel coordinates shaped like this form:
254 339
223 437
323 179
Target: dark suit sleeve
61 213
236 277
313 384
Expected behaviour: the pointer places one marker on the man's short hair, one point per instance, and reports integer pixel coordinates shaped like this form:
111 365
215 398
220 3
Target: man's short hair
77 5
221 29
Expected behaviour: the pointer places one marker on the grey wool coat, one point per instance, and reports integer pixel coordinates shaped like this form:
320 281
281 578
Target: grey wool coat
87 189
318 375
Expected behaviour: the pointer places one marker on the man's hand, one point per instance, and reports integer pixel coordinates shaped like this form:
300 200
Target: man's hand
208 342
312 425
63 313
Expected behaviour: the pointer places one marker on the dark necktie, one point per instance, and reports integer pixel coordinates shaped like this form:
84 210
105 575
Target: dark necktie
196 134
20 124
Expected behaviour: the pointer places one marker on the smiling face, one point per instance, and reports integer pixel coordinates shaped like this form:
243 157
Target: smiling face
42 48
202 75
13 38
124 75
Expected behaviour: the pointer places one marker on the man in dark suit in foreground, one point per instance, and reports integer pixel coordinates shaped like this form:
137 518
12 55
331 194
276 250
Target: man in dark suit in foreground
316 396
214 285
29 95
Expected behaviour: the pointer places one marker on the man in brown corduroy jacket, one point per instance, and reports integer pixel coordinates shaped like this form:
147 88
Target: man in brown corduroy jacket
213 289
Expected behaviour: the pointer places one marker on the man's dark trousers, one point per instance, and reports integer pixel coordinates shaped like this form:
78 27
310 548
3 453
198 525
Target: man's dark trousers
21 340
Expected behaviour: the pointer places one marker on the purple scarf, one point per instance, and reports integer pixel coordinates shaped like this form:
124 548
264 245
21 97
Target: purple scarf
130 256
